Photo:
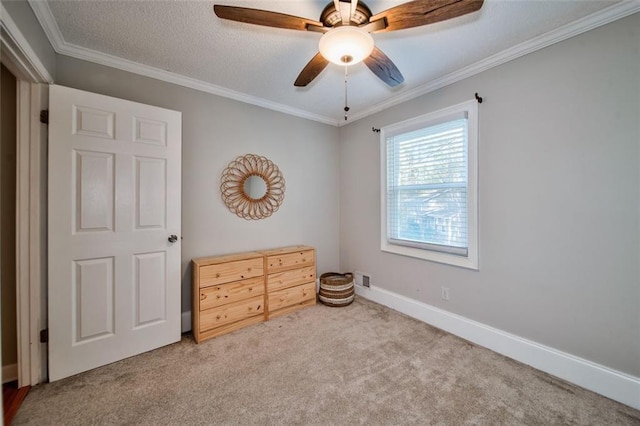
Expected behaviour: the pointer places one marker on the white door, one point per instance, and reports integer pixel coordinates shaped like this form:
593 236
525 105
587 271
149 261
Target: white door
114 203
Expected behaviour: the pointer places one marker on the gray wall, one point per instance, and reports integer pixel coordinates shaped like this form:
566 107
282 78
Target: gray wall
558 192
24 18
217 130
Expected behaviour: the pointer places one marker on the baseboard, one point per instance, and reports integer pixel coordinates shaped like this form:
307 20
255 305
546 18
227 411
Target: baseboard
186 322
605 381
9 373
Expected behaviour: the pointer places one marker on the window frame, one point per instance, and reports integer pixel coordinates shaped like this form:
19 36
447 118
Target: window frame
470 109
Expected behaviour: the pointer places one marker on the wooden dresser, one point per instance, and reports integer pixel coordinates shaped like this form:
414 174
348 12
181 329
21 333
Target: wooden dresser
234 291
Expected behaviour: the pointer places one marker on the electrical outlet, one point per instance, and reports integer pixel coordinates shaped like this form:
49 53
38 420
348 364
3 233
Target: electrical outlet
445 293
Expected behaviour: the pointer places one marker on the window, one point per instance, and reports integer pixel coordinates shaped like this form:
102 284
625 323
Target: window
429 186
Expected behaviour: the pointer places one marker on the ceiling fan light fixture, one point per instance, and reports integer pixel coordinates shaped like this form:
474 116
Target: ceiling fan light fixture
346 45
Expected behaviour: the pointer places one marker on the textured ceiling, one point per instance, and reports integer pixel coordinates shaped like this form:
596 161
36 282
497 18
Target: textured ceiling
186 38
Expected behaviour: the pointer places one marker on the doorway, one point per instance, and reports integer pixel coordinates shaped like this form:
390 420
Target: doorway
7 225
30 82
12 395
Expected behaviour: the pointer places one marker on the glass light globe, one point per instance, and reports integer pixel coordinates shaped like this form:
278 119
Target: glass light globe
346 45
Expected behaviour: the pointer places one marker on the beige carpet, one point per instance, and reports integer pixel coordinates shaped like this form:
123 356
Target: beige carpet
363 364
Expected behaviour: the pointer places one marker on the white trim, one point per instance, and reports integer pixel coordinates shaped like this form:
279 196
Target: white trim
590 22
28 233
192 83
605 381
16 46
23 132
36 257
29 70
597 19
470 108
186 322
9 373
48 23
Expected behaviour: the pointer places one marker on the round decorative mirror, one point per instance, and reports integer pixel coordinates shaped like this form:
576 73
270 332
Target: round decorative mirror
252 187
255 187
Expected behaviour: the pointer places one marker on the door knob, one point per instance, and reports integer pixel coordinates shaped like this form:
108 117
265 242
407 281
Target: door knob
173 238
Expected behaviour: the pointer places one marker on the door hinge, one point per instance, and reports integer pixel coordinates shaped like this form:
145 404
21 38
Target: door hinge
44 116
44 335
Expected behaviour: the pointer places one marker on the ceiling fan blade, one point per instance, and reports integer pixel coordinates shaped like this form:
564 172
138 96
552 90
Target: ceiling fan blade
264 17
423 12
384 68
311 70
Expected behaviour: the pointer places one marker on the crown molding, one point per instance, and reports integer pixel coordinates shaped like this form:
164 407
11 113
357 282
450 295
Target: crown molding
612 13
180 80
47 21
15 44
595 20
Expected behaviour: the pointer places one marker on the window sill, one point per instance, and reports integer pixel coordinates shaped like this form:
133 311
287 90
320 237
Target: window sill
469 262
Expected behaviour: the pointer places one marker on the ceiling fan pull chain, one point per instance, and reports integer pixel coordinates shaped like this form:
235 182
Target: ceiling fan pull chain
346 105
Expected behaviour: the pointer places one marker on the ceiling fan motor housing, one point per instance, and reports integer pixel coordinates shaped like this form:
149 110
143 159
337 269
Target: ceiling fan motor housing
331 17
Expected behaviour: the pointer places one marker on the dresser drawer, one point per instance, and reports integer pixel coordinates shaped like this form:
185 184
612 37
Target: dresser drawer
281 280
231 312
231 271
221 294
298 259
292 296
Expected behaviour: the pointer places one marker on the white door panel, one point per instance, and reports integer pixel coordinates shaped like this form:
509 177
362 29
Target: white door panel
114 199
93 191
150 202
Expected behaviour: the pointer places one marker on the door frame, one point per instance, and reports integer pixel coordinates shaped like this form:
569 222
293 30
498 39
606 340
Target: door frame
32 93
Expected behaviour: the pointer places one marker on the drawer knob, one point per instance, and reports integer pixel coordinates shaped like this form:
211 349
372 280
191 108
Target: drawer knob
217 275
218 296
203 296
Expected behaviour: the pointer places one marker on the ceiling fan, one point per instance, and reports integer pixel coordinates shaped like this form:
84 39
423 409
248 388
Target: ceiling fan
347 26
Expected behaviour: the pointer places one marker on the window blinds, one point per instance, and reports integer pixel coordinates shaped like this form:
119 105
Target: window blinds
427 187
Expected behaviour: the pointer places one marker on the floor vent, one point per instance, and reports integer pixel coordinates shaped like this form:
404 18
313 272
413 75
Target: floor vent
365 281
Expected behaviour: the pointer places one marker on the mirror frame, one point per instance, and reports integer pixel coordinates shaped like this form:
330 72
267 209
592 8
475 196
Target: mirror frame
234 195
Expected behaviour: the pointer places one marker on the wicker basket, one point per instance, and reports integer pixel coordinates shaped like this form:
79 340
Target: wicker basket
336 289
